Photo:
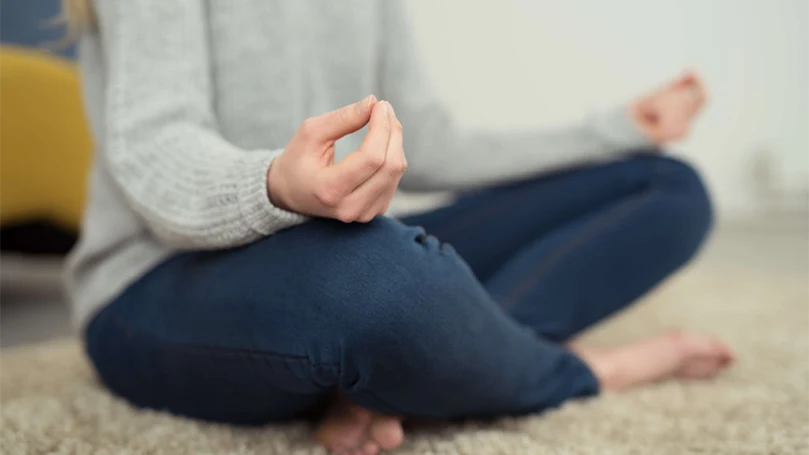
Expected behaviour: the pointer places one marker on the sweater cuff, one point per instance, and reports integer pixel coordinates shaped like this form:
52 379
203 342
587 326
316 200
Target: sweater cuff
254 203
619 131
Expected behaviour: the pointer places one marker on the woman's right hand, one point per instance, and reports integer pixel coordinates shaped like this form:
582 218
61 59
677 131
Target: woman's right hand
305 178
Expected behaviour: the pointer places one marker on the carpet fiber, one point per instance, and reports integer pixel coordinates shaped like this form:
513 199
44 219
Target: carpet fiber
52 403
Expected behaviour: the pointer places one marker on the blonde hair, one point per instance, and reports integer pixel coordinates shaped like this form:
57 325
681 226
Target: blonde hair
77 16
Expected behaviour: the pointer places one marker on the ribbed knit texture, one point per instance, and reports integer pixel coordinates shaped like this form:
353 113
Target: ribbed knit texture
191 100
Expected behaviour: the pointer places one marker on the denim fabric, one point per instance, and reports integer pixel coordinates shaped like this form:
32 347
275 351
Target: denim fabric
396 318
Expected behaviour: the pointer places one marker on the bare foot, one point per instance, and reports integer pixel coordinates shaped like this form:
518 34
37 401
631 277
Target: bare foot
674 354
349 429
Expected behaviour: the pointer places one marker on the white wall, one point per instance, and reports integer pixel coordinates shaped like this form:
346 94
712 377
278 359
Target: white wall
516 63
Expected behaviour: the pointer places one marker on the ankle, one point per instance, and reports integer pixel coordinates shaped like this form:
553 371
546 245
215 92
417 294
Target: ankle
604 367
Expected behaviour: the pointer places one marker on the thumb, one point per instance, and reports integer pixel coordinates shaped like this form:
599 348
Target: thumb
647 111
346 120
688 77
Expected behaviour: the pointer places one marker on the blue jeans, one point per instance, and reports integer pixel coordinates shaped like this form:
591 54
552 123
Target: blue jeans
396 318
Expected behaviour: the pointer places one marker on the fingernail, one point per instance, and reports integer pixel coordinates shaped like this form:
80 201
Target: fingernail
384 106
363 105
369 101
391 109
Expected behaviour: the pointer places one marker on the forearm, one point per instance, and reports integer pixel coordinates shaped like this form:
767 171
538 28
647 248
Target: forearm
160 142
195 190
444 157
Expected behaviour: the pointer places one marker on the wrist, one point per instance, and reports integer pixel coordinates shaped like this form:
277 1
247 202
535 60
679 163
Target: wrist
642 119
636 114
274 186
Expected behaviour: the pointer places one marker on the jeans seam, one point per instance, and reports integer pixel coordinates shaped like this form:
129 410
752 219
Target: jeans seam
564 250
477 217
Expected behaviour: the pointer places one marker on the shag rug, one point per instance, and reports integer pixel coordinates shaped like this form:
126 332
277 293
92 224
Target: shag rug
53 404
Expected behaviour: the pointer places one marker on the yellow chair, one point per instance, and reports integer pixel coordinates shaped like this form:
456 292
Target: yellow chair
45 146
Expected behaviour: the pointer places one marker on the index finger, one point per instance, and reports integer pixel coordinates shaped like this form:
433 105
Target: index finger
346 120
696 93
353 170
691 80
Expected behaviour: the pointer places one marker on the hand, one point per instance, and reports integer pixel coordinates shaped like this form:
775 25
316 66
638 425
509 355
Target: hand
666 114
305 178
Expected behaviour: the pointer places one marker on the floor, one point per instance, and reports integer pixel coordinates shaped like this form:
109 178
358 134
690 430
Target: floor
771 245
35 310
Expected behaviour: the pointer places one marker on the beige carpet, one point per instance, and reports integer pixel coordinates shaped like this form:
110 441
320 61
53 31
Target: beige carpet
51 403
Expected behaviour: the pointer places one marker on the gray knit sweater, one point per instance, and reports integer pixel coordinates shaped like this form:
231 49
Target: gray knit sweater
189 101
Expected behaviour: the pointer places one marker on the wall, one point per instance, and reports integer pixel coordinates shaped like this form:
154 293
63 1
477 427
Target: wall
517 63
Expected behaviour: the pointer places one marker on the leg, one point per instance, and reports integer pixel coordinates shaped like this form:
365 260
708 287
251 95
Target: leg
391 318
562 252
594 240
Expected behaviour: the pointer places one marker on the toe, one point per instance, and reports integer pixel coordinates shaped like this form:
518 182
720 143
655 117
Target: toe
370 448
728 354
387 432
721 353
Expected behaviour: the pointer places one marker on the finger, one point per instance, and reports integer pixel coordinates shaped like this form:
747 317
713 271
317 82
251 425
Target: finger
699 92
398 163
382 203
358 205
338 123
683 104
687 77
692 82
675 87
398 125
353 170
375 194
690 76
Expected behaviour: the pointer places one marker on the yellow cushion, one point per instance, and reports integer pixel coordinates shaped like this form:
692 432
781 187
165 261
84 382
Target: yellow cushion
45 146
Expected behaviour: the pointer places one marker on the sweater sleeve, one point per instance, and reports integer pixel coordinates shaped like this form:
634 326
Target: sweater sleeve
193 188
442 156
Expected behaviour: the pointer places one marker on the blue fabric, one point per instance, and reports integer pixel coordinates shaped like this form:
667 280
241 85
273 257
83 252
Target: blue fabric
397 319
30 23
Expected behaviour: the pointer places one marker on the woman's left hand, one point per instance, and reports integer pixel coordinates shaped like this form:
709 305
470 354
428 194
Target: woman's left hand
666 114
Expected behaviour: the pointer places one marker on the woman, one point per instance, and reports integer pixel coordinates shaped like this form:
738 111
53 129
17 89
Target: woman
231 269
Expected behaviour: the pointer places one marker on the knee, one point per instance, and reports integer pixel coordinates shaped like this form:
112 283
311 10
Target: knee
693 206
384 277
394 290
